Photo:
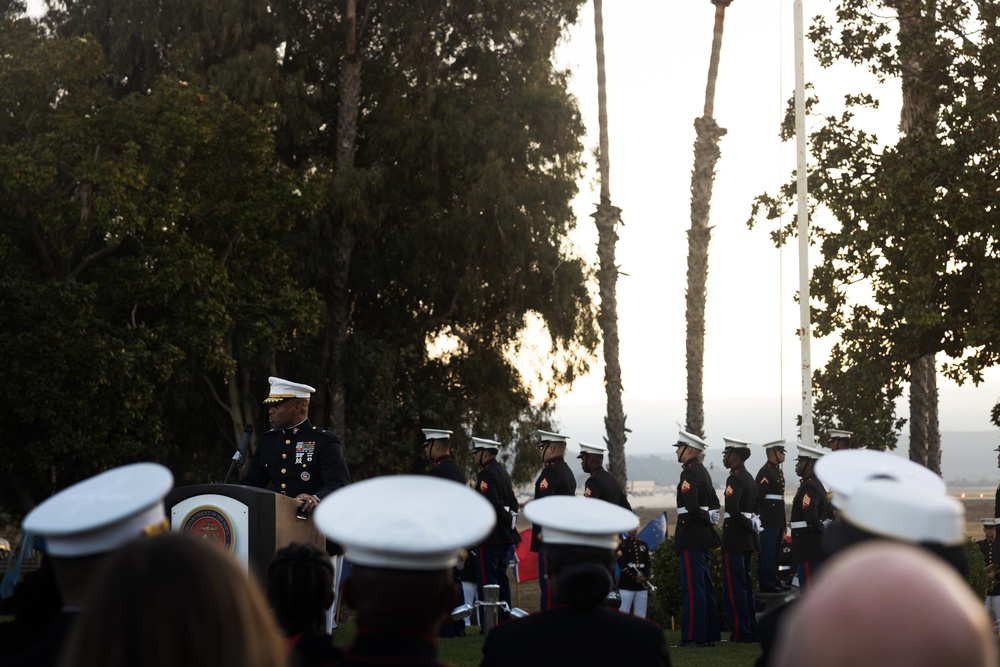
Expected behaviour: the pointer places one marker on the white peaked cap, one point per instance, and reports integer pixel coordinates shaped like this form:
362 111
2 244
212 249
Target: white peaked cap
811 452
839 433
377 530
690 439
579 521
774 443
285 389
843 471
435 433
103 512
483 443
906 511
599 448
548 436
733 443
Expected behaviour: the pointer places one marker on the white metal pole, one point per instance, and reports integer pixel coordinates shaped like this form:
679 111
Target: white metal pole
805 327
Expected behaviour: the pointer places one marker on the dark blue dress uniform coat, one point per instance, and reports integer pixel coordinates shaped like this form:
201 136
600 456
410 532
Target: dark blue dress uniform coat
738 534
446 468
771 482
633 559
556 479
299 459
695 530
563 635
809 508
494 483
602 485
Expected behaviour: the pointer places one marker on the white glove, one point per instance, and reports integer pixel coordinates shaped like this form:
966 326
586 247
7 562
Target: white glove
755 522
827 522
713 516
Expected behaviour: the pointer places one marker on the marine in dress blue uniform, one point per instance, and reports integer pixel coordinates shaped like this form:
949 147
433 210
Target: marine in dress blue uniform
838 439
996 504
809 510
555 479
635 571
987 547
739 542
601 484
296 458
578 533
494 553
437 448
770 482
695 536
402 556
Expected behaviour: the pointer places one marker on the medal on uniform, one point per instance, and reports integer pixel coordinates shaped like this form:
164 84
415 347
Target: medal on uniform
305 476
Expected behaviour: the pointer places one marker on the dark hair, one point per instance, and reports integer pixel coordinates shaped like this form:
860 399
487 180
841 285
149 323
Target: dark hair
300 587
582 574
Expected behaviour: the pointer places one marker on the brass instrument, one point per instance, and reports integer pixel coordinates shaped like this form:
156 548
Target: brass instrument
634 569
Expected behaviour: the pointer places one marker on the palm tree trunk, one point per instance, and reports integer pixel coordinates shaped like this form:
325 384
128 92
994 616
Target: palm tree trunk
607 218
706 156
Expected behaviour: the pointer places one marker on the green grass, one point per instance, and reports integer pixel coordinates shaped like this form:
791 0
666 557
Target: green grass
467 651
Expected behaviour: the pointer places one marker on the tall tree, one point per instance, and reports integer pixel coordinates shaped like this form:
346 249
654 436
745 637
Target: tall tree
916 221
706 155
607 217
454 194
135 266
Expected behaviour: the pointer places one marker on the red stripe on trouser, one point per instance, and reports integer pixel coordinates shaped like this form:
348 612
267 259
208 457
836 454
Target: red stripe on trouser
805 568
732 600
482 566
687 564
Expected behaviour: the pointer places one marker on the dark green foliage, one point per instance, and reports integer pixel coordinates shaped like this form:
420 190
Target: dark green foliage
977 568
137 262
171 184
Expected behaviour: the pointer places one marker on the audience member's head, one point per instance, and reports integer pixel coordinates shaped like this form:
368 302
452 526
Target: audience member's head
173 600
84 523
882 603
881 496
579 536
300 588
402 554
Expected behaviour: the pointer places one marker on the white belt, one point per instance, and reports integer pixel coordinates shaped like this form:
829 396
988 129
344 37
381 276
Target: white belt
746 514
684 510
773 496
798 524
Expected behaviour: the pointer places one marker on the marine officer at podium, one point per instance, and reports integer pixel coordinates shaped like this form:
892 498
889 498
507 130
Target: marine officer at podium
296 458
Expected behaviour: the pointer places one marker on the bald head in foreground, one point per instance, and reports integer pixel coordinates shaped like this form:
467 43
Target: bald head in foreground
888 604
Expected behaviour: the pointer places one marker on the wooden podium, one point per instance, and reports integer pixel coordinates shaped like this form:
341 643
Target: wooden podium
246 521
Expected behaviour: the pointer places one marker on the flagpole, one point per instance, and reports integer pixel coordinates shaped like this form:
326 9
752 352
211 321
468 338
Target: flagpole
805 327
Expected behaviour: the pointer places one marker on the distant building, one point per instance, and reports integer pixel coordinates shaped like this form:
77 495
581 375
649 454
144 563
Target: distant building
642 486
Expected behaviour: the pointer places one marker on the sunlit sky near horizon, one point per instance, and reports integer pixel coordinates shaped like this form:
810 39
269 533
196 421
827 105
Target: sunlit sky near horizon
657 58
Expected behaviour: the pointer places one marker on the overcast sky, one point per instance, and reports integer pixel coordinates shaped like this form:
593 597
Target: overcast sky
657 62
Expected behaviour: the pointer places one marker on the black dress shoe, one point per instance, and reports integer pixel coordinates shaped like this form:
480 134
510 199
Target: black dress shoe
688 644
